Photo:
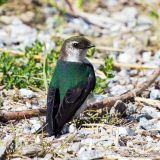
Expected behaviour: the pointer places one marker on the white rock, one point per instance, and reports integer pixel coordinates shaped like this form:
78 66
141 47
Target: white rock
146 56
85 131
118 90
129 56
131 108
82 150
38 139
21 141
149 124
48 156
72 128
130 13
74 147
35 125
150 111
131 132
132 24
142 28
17 38
143 20
155 94
86 141
106 143
28 105
116 27
130 144
111 2
26 93
149 139
122 131
158 125
91 154
27 128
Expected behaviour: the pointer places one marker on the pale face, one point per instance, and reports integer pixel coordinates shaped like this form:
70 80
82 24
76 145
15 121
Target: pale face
74 49
74 54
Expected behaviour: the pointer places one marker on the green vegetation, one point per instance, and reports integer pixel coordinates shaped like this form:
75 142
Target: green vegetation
80 4
24 71
34 68
3 1
107 69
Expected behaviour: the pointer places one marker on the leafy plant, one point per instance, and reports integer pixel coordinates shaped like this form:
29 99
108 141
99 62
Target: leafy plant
154 13
28 70
107 69
3 1
91 52
101 84
36 67
80 4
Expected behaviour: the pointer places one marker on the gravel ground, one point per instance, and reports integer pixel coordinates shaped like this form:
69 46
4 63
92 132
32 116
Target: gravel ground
126 25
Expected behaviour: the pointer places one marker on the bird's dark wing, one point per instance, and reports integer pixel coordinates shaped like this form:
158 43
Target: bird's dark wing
53 101
73 99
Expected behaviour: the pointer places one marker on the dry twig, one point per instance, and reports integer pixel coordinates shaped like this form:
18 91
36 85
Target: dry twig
154 103
136 66
6 116
110 101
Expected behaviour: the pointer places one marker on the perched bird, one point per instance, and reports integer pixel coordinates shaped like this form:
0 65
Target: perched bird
72 82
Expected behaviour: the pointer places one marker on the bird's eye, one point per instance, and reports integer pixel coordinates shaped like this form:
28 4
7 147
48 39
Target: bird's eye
75 45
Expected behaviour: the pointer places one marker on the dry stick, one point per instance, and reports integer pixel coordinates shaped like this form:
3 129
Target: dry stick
153 103
106 102
110 101
11 51
97 61
18 53
122 65
6 116
136 66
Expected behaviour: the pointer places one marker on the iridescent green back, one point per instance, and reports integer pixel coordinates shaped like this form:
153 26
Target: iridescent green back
68 75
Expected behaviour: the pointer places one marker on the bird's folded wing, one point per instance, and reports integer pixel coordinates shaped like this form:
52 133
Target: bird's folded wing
73 99
52 108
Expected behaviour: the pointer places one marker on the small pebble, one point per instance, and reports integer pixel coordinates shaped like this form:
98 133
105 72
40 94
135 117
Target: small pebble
38 139
131 108
28 105
122 131
129 56
150 111
146 56
74 147
26 93
155 94
119 108
72 128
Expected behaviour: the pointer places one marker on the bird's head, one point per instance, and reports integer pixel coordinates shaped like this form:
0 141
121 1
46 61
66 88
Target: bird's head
74 49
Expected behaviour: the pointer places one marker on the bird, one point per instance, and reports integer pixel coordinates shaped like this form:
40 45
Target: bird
72 81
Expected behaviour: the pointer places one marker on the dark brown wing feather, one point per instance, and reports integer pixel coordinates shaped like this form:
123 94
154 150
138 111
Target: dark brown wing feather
53 101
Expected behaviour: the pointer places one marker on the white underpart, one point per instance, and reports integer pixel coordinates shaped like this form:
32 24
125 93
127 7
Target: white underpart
75 55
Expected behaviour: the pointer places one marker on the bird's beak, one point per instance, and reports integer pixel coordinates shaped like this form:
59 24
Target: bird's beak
90 46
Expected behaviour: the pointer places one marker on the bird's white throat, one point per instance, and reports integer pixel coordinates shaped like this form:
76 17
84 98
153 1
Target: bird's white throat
75 55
